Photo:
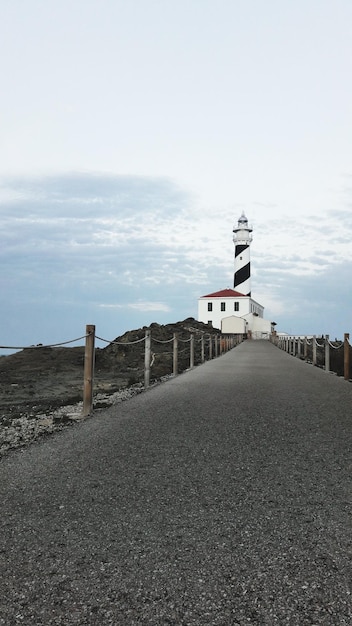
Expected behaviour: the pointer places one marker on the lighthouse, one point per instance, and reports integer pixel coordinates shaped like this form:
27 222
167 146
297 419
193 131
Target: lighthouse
242 238
234 310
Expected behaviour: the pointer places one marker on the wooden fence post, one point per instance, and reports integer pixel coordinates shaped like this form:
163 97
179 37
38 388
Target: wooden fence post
346 356
216 345
327 354
305 349
175 355
88 370
202 349
299 347
210 347
314 347
191 357
147 352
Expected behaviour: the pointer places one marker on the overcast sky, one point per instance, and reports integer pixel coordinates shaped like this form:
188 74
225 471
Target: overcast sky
134 133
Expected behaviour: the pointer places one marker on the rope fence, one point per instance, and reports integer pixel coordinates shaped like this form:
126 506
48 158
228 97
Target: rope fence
332 356
40 345
209 346
120 343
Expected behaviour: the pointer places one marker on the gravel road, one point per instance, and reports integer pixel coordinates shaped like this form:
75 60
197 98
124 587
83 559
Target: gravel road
220 497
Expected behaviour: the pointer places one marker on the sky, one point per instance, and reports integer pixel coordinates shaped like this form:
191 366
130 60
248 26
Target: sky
133 133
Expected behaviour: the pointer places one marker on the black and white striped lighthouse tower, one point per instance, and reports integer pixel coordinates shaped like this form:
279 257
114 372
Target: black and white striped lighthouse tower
242 239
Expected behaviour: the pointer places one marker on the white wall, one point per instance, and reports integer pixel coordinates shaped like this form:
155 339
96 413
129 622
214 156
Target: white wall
224 319
233 324
258 326
216 315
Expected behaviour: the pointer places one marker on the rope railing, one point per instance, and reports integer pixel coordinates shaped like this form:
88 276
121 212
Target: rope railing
335 347
40 345
324 358
120 343
214 345
163 341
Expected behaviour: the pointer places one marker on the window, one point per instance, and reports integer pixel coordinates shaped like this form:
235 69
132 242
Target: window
223 306
236 306
210 306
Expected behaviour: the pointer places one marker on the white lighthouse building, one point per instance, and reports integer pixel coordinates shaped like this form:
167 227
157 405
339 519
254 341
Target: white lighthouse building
234 310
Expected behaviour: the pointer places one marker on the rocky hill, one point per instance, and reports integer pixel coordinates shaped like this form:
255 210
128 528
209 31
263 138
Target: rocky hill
39 386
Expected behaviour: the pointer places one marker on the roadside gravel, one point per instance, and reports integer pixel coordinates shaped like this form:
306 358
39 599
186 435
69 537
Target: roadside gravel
221 497
17 432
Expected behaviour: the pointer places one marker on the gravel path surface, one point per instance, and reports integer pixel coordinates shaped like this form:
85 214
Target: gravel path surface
221 497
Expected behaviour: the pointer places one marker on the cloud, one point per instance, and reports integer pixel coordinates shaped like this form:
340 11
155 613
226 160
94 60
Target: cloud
124 250
139 306
70 259
84 194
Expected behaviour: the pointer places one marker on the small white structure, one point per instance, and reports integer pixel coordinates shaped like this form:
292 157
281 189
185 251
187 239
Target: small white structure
234 310
257 326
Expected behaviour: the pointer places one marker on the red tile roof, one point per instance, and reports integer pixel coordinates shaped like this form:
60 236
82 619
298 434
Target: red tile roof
225 293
